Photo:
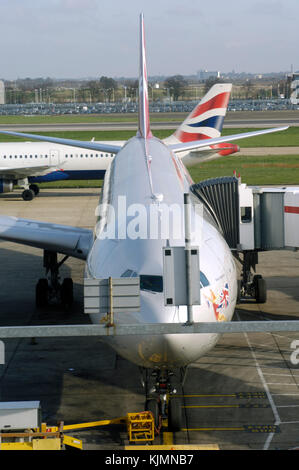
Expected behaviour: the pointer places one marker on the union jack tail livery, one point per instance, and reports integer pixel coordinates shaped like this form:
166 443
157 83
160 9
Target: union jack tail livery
206 120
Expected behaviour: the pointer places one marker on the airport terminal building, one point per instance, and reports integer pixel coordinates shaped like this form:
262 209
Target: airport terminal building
295 89
2 92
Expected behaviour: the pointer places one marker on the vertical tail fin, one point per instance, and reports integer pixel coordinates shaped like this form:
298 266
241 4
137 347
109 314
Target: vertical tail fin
206 120
144 130
144 122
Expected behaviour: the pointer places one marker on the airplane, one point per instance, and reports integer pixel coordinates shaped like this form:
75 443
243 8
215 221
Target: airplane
146 173
27 164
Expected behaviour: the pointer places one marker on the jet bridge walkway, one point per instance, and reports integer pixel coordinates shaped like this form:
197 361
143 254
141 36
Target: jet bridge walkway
252 220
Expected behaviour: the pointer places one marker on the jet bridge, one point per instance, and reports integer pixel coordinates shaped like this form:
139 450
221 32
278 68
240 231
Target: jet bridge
252 219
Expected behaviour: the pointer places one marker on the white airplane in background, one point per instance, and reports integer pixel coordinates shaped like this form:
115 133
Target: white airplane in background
28 163
147 172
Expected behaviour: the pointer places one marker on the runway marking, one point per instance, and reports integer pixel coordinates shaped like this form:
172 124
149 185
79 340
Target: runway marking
213 429
281 375
240 395
276 383
287 406
285 394
267 391
251 428
211 406
285 336
249 405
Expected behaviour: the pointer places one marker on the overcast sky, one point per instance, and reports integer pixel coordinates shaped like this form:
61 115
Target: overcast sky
90 38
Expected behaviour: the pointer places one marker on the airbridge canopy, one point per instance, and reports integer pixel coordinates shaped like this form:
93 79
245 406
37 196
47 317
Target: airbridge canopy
252 218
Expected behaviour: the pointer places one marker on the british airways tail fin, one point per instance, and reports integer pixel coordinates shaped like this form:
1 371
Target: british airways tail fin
143 118
206 120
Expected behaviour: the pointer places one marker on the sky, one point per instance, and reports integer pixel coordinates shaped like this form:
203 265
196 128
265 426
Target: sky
91 38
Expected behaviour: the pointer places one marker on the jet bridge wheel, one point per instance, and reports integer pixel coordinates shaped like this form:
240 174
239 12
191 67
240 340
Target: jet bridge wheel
28 194
252 286
260 289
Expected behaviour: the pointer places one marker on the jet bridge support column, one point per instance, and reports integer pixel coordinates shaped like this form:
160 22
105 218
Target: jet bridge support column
188 258
181 270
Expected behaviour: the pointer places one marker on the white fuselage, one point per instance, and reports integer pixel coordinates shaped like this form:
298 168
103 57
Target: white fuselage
59 157
125 246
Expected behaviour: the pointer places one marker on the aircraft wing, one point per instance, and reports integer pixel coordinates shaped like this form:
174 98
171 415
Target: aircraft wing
68 240
204 154
91 145
197 144
25 171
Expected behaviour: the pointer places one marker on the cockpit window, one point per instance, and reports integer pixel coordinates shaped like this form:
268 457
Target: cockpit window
129 273
147 282
152 283
203 280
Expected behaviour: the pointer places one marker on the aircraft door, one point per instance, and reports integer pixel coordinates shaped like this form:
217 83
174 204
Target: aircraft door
54 157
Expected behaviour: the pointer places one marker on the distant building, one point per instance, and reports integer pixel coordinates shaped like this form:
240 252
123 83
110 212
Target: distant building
205 74
2 92
294 98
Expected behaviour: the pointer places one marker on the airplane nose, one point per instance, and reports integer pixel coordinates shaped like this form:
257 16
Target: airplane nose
161 351
173 351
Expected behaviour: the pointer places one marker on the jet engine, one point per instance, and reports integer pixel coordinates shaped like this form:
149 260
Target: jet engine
6 186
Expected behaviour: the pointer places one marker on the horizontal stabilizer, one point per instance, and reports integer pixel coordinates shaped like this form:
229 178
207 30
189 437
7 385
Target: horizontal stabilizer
209 153
188 146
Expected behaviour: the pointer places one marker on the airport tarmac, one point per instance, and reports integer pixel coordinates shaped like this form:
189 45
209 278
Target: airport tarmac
243 395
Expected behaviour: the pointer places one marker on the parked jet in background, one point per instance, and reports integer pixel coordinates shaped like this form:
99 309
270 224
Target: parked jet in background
28 163
146 173
205 122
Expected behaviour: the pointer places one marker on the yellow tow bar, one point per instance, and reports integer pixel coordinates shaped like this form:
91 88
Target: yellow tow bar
140 428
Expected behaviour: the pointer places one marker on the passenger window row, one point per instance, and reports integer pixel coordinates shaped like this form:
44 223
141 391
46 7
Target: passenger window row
66 156
96 155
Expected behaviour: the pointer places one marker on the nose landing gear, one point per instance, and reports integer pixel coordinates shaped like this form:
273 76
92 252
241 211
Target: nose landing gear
161 400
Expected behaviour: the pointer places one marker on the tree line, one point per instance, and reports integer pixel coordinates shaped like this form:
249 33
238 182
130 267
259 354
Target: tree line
107 89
